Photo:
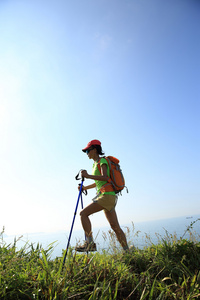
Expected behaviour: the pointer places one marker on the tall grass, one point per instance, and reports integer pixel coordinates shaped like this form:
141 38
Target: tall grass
166 270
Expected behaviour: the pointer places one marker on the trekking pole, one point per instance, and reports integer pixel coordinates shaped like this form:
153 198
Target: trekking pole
79 196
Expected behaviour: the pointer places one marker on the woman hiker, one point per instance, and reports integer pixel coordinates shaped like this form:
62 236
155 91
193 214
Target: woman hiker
103 201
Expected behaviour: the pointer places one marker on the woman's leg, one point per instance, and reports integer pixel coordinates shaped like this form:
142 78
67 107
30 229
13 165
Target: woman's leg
112 219
85 213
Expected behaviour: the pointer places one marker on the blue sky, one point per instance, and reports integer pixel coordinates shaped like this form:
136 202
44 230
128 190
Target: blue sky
124 72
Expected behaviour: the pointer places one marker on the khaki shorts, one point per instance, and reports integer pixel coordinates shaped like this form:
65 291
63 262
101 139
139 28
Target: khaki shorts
107 201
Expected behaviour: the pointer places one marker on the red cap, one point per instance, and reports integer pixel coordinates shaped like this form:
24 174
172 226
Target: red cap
91 143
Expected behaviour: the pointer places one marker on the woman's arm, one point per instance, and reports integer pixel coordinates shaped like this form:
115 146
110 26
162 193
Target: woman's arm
103 177
87 187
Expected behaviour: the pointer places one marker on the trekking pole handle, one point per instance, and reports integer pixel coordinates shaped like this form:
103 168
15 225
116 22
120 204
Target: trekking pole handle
77 176
82 178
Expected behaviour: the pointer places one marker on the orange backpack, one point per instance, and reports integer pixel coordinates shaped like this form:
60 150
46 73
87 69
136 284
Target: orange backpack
116 180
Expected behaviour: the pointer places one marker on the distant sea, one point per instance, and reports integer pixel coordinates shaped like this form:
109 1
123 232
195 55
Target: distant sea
140 234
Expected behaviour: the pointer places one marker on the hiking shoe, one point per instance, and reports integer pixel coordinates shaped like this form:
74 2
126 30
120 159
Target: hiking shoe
86 247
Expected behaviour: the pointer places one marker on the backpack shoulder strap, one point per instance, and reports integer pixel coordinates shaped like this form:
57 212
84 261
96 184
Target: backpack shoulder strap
98 164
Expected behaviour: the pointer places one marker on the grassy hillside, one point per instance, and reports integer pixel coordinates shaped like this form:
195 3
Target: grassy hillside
169 270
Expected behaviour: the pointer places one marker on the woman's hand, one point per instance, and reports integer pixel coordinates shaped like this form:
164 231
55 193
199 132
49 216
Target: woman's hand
83 188
84 174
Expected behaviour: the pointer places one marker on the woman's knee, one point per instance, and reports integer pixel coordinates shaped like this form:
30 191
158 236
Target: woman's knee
82 213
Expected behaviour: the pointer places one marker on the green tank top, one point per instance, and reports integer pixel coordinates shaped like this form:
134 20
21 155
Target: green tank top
95 171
